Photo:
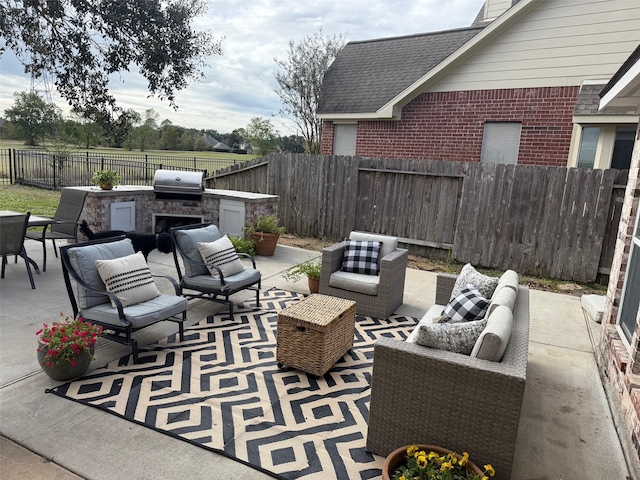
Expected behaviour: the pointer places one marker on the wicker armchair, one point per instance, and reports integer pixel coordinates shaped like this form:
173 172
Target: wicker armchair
390 290
425 395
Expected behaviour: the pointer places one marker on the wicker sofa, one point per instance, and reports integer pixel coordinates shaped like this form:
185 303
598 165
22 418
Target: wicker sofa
425 395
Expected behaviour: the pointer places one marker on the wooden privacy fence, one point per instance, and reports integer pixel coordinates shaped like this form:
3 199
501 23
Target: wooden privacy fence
545 221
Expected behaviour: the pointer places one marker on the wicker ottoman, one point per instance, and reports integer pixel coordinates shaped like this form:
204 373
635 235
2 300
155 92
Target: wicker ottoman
315 332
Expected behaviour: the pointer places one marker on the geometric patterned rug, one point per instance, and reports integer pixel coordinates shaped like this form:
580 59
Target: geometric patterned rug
221 389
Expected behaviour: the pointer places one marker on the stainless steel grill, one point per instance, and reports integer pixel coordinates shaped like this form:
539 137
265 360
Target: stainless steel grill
176 184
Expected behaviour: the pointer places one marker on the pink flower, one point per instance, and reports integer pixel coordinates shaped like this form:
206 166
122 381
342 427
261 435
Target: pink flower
74 362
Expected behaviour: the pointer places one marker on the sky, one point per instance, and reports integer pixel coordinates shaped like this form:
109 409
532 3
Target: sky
240 84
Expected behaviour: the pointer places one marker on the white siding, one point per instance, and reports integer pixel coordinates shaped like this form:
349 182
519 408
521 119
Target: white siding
560 43
495 8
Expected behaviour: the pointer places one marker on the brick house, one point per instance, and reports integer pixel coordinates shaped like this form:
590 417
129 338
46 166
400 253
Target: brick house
520 85
617 353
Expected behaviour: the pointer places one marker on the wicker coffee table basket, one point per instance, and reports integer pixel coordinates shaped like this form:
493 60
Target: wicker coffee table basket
315 333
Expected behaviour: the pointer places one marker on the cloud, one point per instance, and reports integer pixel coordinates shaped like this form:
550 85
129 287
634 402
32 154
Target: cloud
240 84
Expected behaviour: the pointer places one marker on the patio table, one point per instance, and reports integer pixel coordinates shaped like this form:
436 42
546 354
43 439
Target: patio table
34 221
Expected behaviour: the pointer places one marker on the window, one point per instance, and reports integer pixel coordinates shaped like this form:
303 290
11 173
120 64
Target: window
501 142
344 139
588 146
630 300
623 147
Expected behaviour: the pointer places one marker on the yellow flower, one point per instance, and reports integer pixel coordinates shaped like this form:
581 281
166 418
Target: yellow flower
411 450
421 453
432 455
422 461
489 469
405 478
464 459
484 478
446 466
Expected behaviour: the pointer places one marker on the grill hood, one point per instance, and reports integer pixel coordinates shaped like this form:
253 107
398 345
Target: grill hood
178 184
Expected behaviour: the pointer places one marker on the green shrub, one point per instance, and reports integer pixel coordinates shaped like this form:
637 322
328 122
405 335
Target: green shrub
310 268
243 245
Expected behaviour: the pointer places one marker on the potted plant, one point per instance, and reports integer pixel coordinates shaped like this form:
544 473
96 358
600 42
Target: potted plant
310 268
265 232
243 245
65 349
106 179
423 462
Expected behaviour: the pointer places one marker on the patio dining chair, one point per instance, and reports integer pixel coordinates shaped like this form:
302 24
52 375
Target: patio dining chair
65 226
12 234
127 299
208 279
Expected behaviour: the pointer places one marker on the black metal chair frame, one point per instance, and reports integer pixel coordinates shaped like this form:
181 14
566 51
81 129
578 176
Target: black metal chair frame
53 234
121 334
22 252
212 295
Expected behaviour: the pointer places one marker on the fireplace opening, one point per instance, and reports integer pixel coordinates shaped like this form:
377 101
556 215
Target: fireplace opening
162 223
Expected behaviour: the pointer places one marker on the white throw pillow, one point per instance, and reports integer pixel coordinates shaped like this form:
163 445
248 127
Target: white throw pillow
454 337
223 255
128 278
484 283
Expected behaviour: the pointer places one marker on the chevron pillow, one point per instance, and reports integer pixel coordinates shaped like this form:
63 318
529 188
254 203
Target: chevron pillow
128 278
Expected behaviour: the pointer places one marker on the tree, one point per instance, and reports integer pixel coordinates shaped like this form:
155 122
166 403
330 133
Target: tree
128 121
33 118
146 131
82 43
261 135
300 81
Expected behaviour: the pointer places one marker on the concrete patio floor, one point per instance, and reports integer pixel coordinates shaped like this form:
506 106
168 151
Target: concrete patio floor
566 429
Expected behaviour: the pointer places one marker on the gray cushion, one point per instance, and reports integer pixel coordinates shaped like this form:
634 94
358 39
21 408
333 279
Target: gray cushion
503 296
355 282
206 283
434 312
453 337
494 338
188 241
83 260
508 279
141 314
389 244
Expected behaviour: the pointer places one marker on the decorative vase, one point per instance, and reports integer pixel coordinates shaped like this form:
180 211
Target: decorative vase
265 243
314 285
64 371
106 186
398 457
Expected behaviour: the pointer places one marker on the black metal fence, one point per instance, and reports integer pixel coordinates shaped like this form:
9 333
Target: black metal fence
54 171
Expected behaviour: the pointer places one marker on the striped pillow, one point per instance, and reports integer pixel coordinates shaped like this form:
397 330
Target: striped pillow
222 254
128 278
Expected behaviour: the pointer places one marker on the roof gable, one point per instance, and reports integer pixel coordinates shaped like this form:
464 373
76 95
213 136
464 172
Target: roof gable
366 74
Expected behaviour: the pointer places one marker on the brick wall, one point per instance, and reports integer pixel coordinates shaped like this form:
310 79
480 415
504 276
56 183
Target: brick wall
450 126
621 366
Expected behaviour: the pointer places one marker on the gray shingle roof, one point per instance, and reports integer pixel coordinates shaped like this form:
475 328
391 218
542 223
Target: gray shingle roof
588 100
367 74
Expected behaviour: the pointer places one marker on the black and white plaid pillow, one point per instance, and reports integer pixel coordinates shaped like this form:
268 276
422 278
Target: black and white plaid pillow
361 257
467 306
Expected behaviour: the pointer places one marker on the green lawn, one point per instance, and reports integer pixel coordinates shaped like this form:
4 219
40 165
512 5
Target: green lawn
29 199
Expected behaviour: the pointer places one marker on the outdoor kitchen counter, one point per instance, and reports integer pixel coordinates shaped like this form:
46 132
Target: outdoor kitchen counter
138 208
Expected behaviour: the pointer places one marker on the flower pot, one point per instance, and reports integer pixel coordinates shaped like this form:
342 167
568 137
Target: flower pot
106 186
314 285
64 371
265 243
397 458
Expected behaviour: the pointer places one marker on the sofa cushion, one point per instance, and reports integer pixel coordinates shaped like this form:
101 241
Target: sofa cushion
128 278
388 244
188 241
467 306
361 257
454 337
494 338
508 279
222 254
355 282
484 283
83 260
502 296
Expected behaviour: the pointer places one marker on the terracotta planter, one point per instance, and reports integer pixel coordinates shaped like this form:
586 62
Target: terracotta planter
265 243
314 284
106 186
397 458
